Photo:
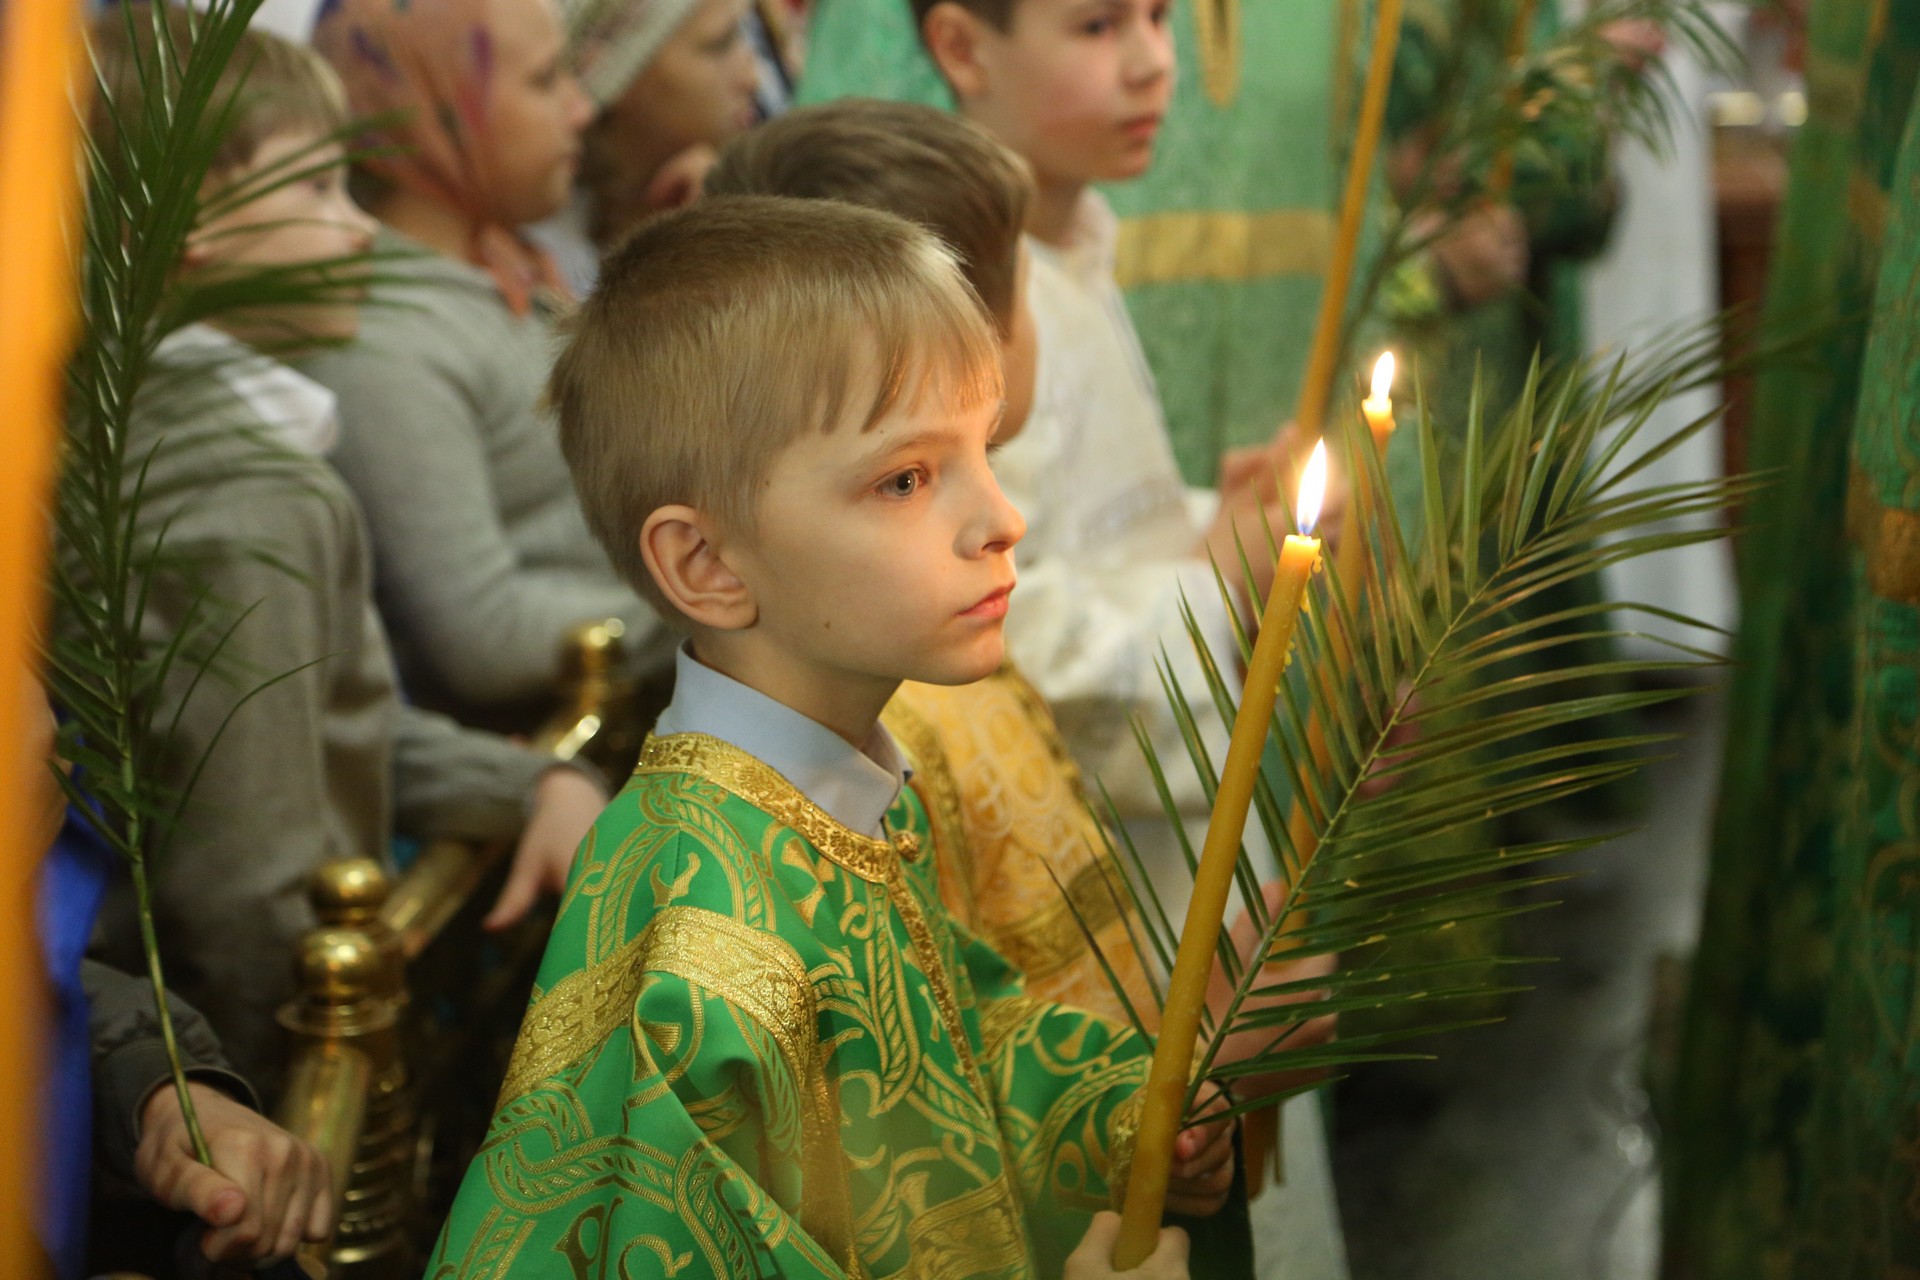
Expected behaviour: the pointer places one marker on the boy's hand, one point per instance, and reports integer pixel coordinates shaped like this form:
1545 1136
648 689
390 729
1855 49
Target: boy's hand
565 803
1483 255
1203 1160
1093 1260
266 1192
1635 41
1259 470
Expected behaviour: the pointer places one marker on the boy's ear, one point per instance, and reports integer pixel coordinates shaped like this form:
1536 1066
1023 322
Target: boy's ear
682 551
952 35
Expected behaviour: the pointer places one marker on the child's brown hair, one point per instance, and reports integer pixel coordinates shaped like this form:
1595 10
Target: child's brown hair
997 14
928 166
720 332
268 87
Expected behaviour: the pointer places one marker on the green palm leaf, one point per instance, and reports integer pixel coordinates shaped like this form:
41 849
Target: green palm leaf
147 155
1421 703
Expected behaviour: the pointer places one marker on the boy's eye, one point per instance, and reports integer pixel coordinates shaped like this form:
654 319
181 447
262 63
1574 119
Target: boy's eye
903 484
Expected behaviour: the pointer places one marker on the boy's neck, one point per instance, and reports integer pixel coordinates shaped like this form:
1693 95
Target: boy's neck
850 707
1051 216
439 227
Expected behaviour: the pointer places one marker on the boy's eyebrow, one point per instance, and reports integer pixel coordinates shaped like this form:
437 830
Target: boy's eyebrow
902 444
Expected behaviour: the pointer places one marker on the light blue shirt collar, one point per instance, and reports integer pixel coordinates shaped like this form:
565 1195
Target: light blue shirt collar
854 787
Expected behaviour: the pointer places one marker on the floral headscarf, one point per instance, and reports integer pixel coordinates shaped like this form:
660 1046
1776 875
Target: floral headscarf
428 66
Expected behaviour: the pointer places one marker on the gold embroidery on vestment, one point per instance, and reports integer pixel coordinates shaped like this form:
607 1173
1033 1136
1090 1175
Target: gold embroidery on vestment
1123 1128
1216 29
1169 248
939 792
574 1018
978 1234
761 786
999 1019
1055 938
1888 539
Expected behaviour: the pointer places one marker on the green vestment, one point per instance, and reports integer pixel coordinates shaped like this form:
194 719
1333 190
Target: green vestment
1757 1008
1859 1215
759 1046
1223 243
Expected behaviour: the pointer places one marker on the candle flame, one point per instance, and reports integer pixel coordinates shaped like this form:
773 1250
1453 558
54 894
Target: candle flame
1383 376
1313 487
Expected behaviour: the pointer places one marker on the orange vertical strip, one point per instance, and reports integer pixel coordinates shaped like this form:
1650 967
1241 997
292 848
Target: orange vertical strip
39 198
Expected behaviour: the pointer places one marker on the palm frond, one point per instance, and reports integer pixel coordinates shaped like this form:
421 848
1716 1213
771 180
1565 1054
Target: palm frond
1428 698
156 127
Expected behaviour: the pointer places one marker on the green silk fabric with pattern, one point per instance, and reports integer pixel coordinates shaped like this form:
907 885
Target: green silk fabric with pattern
759 1046
1757 1008
1859 1216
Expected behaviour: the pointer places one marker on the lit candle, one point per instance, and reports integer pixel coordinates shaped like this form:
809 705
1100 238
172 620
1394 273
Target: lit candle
1166 1087
1378 407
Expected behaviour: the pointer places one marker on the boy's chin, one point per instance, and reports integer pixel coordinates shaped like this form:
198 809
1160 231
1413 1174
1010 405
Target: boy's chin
977 663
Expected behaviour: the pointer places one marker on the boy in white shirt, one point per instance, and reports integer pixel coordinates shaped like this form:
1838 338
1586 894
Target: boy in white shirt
1115 540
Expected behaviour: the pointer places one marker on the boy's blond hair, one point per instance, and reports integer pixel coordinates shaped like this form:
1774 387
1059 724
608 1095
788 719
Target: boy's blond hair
274 86
928 166
719 333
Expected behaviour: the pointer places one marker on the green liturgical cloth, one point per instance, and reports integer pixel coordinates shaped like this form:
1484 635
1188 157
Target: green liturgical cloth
1223 243
759 1046
1860 1214
1758 1004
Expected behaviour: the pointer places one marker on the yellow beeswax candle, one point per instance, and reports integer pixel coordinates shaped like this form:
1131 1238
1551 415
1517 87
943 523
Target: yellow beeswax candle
1378 407
1166 1087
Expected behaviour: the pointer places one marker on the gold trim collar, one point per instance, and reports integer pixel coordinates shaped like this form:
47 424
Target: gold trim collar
766 789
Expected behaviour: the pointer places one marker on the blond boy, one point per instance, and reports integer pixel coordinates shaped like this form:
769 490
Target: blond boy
1016 819
762 1046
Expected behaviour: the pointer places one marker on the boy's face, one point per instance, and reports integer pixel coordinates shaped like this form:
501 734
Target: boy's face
306 220
1078 87
1019 356
885 555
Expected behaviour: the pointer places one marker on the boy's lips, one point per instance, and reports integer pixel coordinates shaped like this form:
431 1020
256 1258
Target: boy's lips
1142 126
991 605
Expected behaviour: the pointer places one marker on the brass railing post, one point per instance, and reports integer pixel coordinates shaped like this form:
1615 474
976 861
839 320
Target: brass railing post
348 1089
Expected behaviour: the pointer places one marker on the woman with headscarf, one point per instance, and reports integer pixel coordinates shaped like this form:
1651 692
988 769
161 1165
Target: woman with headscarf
671 81
484 559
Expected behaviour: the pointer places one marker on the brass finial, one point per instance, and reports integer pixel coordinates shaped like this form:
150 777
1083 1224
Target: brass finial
340 966
349 892
593 648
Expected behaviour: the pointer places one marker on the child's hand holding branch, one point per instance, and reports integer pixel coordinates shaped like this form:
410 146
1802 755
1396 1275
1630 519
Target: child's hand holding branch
1203 1159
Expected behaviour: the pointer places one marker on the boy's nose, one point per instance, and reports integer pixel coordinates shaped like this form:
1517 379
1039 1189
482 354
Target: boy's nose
1149 55
1000 523
580 109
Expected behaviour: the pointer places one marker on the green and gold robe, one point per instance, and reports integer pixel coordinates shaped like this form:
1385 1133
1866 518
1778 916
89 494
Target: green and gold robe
759 1046
1741 1122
